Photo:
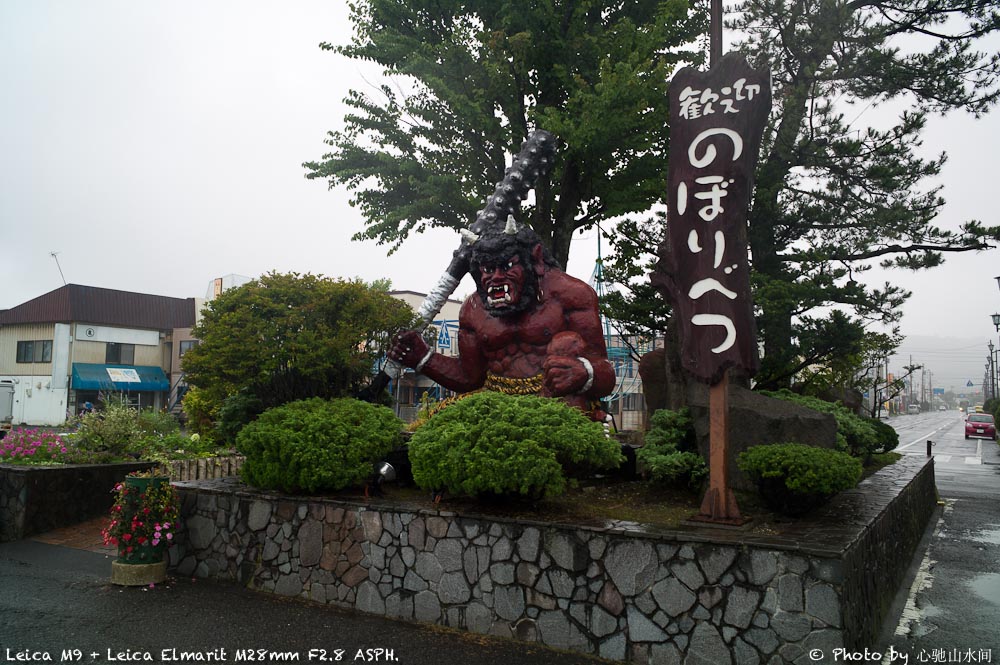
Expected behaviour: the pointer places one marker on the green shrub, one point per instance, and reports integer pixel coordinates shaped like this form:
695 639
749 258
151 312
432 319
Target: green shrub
855 434
676 469
794 478
200 412
157 423
175 446
316 445
113 431
888 437
668 453
491 444
671 429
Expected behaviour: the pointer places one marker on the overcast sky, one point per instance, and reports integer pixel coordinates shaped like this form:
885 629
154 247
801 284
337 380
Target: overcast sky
155 146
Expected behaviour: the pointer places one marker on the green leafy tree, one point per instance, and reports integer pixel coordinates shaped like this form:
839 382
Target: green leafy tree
833 197
637 311
286 337
478 76
870 373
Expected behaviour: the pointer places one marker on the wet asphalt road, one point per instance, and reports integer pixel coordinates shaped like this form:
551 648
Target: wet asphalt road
951 610
55 598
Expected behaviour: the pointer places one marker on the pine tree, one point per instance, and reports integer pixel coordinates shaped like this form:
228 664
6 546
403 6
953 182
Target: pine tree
834 197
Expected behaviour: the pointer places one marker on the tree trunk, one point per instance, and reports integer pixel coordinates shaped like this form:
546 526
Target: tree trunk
765 218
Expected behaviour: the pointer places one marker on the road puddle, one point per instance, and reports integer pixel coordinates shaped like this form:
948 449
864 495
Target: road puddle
987 587
991 536
921 626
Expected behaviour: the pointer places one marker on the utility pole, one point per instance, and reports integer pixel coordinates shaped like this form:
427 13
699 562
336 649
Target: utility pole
887 381
909 383
910 369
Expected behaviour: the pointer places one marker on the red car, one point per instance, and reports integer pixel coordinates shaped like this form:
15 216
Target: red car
980 426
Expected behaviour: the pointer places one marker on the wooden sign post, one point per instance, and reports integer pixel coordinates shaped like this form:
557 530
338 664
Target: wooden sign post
717 119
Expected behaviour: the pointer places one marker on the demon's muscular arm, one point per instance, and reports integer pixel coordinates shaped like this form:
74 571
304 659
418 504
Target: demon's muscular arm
569 375
462 374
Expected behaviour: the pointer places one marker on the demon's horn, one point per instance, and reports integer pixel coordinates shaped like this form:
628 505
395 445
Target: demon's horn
511 228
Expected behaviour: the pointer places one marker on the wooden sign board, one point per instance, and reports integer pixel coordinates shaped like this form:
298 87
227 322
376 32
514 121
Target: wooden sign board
717 119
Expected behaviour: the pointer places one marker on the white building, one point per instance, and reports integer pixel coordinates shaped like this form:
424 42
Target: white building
78 343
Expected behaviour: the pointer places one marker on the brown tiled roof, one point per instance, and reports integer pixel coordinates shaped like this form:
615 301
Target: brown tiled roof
74 303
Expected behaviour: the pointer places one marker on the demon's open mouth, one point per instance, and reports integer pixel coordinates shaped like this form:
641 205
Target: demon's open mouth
499 295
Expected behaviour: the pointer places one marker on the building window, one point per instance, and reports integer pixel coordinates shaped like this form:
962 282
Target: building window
121 354
37 351
186 346
633 402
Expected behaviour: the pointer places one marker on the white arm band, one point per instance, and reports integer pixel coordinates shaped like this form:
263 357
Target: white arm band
423 361
590 374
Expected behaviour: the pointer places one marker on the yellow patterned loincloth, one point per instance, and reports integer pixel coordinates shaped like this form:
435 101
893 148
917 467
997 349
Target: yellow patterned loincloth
531 385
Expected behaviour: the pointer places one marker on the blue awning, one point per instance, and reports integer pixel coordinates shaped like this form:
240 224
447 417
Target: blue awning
124 378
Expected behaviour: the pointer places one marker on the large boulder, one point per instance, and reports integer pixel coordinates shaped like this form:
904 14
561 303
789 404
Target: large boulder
756 419
652 371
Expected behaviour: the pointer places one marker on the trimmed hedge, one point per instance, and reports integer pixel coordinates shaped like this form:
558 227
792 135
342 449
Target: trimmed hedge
888 437
857 435
794 478
669 452
317 445
491 444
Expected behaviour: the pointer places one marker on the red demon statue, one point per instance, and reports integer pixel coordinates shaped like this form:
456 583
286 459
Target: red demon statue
529 329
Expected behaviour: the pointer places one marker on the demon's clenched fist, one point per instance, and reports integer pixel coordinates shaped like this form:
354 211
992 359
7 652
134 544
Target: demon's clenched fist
530 328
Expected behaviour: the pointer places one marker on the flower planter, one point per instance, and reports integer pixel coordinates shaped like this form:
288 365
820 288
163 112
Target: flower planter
141 519
143 574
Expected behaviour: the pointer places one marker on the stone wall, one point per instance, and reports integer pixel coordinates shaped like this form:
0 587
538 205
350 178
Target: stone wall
36 499
871 569
623 591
